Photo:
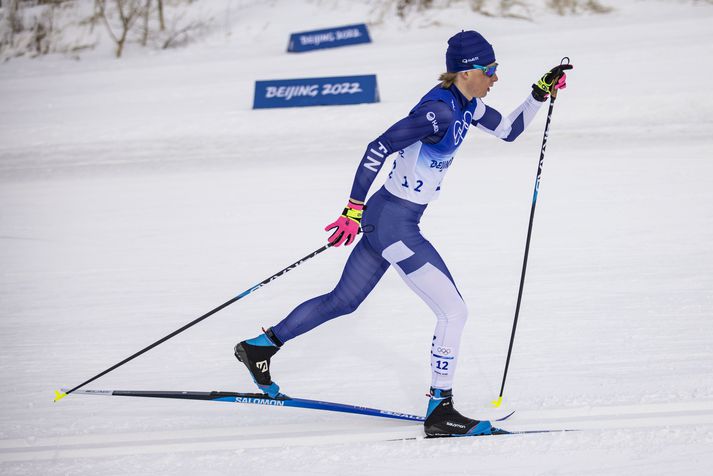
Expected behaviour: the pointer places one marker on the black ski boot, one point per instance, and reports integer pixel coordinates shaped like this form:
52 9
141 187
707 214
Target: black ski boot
255 354
443 420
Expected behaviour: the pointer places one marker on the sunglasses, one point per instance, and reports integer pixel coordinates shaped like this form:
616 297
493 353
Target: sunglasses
489 71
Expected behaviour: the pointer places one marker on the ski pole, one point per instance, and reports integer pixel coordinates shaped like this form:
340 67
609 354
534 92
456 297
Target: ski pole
59 395
553 96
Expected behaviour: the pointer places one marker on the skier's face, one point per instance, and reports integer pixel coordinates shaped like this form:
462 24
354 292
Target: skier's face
475 83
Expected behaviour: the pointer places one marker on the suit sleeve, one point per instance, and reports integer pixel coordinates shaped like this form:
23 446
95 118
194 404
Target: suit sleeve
427 122
510 127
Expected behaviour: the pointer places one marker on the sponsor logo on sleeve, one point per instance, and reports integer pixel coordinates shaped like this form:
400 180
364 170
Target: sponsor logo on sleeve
431 116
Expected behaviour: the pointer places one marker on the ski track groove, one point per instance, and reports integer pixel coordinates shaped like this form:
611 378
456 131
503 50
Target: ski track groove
659 415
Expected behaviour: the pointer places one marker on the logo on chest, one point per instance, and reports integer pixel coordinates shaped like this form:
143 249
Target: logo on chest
460 128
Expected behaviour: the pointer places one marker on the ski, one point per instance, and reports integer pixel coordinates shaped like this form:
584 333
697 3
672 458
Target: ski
262 399
493 432
498 432
286 401
257 399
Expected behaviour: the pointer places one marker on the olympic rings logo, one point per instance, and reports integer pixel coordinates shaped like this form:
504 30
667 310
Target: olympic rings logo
460 129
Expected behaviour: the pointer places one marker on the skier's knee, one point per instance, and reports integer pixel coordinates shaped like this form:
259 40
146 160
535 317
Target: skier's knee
455 312
343 306
461 315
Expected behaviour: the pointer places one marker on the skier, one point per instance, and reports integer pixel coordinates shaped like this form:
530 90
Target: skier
426 141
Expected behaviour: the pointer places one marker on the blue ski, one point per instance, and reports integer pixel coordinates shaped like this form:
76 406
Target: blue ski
262 399
257 399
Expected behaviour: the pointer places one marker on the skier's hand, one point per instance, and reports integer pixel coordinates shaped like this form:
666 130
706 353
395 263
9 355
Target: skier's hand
346 227
551 81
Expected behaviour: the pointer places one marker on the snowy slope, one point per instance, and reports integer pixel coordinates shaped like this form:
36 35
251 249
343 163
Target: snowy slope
135 195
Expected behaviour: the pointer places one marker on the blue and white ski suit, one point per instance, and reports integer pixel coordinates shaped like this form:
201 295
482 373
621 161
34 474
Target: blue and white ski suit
427 141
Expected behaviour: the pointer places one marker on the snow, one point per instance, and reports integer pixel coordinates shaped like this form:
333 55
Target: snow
138 194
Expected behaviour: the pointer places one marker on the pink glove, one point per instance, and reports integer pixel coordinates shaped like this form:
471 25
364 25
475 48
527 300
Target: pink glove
562 83
347 225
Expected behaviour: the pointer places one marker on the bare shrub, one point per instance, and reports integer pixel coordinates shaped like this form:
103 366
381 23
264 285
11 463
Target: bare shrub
480 6
181 33
130 20
573 7
39 27
519 9
145 27
404 7
42 32
161 20
595 7
119 17
10 24
515 9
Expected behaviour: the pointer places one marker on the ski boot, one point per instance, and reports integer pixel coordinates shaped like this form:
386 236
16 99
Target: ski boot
255 354
443 420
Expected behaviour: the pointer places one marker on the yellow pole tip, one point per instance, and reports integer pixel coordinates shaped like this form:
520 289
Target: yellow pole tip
496 403
59 395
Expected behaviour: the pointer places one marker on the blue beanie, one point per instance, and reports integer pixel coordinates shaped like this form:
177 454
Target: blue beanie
466 49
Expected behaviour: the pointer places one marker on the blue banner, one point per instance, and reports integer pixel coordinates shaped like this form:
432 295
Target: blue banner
316 91
328 38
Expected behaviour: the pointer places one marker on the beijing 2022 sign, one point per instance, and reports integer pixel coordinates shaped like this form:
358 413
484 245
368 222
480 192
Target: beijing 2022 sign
328 38
316 91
